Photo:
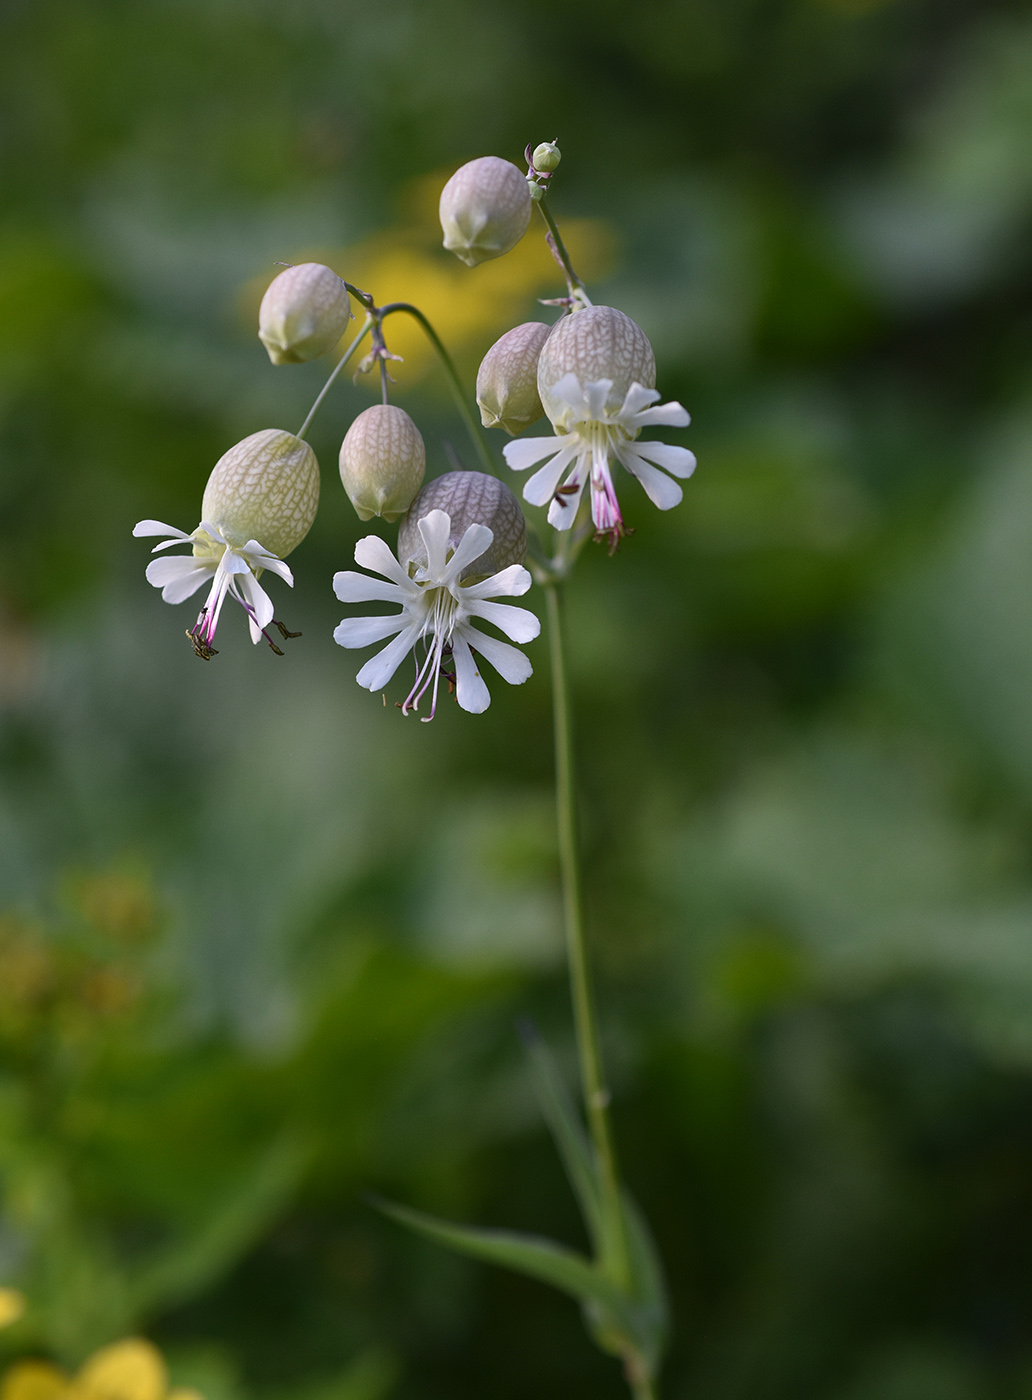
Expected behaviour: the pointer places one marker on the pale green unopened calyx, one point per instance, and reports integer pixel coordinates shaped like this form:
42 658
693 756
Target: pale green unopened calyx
382 462
485 209
303 314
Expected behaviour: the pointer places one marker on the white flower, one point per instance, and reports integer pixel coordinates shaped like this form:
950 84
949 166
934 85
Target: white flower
233 571
596 435
436 609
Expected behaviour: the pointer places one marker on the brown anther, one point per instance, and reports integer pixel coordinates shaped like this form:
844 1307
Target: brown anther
283 631
201 649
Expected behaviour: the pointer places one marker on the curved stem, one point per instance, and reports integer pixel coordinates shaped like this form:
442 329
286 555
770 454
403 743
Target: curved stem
475 431
337 369
596 1093
578 292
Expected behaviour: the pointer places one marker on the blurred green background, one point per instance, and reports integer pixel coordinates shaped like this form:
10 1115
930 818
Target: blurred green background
263 943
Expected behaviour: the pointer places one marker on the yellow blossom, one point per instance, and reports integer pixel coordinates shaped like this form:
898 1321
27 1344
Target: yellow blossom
133 1369
12 1305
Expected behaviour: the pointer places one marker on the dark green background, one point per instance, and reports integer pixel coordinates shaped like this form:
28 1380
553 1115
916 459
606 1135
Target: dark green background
266 942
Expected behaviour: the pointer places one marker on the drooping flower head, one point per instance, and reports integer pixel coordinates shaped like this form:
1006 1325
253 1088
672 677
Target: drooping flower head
507 391
304 312
596 376
484 209
382 462
258 505
460 546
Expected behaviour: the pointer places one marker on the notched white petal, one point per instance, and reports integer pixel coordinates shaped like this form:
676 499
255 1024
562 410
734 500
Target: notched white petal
661 489
518 624
526 451
677 460
372 553
509 582
360 588
155 527
542 486
510 664
364 631
470 688
379 669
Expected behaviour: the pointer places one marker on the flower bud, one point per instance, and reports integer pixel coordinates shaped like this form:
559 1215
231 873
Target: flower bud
507 389
266 488
485 209
469 498
382 462
598 342
303 314
546 157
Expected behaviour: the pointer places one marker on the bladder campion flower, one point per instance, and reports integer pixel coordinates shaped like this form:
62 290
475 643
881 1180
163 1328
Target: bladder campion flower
304 312
443 583
258 505
485 209
595 376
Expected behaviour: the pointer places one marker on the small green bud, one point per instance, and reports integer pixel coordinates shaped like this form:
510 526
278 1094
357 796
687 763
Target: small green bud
266 488
595 343
304 312
485 209
546 157
470 498
507 389
382 462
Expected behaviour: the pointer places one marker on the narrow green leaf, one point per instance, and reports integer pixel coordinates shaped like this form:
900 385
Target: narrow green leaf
532 1255
577 1154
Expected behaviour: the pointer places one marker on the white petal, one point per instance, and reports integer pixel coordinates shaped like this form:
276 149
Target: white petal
378 670
470 689
372 553
661 489
638 397
524 453
254 594
435 529
155 527
519 624
510 664
234 563
569 390
541 487
258 557
507 583
669 415
215 531
596 393
360 588
474 542
563 510
364 631
678 461
181 578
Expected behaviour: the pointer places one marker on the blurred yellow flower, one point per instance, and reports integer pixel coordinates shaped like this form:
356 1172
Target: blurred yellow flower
129 1370
12 1305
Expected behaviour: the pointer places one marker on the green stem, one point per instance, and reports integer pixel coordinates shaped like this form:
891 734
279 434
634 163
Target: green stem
596 1093
475 431
642 1388
337 369
578 291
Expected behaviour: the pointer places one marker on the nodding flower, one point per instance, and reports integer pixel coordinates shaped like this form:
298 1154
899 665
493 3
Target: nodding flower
258 505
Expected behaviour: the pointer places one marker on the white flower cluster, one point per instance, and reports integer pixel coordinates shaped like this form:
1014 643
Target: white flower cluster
462 537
